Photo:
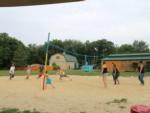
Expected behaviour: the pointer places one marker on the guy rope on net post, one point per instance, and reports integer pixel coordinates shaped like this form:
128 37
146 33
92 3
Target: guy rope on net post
45 66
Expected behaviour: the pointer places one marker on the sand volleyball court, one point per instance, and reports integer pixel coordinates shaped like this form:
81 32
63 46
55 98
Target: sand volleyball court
84 94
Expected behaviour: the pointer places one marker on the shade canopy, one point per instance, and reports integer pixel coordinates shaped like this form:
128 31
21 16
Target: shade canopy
11 3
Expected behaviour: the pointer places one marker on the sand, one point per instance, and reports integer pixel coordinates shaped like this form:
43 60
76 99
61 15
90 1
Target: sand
84 94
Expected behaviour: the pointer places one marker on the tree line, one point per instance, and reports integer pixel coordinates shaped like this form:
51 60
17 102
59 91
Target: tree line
14 51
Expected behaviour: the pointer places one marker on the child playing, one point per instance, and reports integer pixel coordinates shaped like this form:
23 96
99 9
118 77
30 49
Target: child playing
62 74
28 71
48 80
12 71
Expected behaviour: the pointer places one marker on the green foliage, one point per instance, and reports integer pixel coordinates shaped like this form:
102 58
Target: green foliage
20 57
13 50
118 101
55 66
8 47
36 54
14 110
125 48
54 50
136 47
28 111
72 72
10 110
122 107
140 46
75 47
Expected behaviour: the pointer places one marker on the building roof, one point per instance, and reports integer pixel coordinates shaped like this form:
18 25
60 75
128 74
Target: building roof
136 56
70 58
10 3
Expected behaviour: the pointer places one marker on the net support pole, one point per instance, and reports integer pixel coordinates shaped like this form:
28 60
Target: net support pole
46 58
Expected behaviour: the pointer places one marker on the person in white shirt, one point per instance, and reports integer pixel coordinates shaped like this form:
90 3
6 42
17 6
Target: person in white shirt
12 71
28 71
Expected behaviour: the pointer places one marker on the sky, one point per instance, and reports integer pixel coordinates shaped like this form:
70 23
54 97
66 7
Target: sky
119 21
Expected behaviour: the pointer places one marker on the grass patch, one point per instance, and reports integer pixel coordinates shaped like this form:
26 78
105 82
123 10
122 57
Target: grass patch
122 107
9 110
17 73
118 101
71 72
68 72
14 110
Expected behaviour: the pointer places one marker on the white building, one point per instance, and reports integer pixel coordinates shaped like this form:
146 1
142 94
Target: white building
64 60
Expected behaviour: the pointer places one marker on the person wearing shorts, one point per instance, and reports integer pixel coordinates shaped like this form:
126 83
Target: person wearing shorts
115 73
104 72
62 74
28 71
12 71
49 80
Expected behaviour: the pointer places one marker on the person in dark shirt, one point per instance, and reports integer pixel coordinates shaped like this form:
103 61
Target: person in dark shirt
138 71
104 73
141 72
115 73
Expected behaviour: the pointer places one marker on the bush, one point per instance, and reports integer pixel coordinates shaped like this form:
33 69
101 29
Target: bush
55 66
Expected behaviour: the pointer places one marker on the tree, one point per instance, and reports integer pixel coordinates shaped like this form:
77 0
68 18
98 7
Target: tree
8 46
140 46
75 48
1 56
55 66
72 47
125 48
36 54
104 47
20 57
55 46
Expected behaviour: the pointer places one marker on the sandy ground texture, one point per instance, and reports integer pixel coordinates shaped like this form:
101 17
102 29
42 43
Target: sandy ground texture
84 94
